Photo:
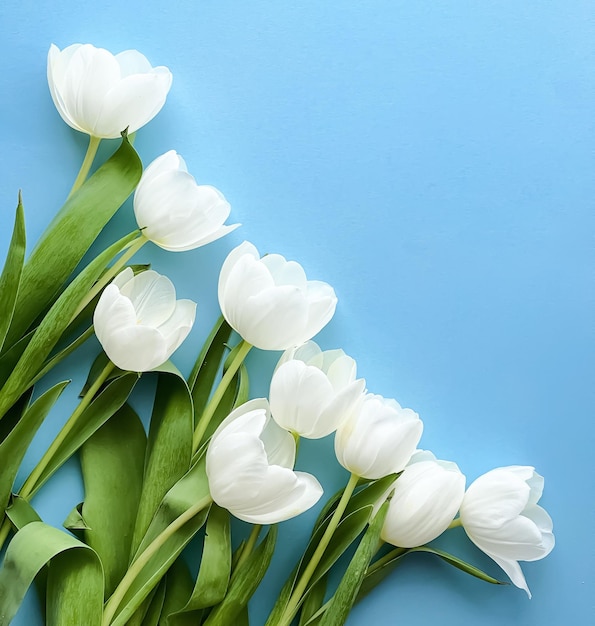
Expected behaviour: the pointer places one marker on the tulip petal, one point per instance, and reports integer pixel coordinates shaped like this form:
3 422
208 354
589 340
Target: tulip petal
279 445
153 297
176 328
135 348
513 571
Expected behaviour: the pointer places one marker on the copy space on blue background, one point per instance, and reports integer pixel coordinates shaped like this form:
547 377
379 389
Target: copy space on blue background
433 161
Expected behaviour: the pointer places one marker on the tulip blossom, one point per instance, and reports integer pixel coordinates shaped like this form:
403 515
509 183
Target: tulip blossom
139 322
250 468
313 391
501 517
173 211
101 94
426 498
269 301
379 439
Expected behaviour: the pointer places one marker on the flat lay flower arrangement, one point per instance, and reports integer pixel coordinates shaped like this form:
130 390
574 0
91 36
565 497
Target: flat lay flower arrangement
210 452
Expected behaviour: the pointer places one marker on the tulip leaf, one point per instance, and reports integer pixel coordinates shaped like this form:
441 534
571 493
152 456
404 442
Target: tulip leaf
75 581
178 588
169 448
14 446
115 450
313 603
155 607
75 522
207 366
11 357
345 596
215 566
191 490
244 582
52 326
97 367
11 274
71 233
106 404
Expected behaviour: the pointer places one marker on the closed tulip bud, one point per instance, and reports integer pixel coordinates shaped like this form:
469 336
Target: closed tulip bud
101 94
501 517
313 391
269 301
426 498
250 468
379 439
139 322
173 211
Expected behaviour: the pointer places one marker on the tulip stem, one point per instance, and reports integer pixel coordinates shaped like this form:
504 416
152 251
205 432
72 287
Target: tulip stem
109 274
249 546
295 599
36 479
137 566
393 554
87 162
455 523
242 351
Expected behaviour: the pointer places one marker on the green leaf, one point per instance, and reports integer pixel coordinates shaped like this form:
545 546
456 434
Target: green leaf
205 370
11 274
11 357
169 448
178 588
49 331
215 566
75 580
21 513
116 452
151 617
104 406
71 233
313 602
244 583
13 448
346 594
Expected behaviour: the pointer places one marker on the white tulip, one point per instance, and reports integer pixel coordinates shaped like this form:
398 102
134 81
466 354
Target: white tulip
501 517
379 439
139 322
269 301
426 498
101 94
313 391
173 211
250 468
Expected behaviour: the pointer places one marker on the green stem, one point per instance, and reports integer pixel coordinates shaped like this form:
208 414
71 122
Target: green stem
4 530
393 554
296 597
112 271
33 482
137 566
252 539
455 523
224 383
87 162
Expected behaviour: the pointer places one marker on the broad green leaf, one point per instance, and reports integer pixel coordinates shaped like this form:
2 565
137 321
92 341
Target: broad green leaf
169 448
215 566
13 448
244 582
207 366
313 602
178 588
75 581
21 513
346 594
49 331
75 522
106 404
11 357
11 274
112 466
14 414
153 613
71 233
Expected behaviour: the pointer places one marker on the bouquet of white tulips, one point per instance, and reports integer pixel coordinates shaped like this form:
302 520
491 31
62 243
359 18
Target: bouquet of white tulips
210 452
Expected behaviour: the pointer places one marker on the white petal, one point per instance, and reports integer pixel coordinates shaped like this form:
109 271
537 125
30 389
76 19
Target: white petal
153 297
135 348
177 327
279 445
514 571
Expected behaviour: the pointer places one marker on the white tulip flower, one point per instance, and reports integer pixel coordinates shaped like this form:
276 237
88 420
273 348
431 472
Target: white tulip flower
313 391
250 468
269 301
501 517
173 211
102 94
139 322
426 498
379 439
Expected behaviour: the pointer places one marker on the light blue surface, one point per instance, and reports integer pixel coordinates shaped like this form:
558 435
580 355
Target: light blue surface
434 162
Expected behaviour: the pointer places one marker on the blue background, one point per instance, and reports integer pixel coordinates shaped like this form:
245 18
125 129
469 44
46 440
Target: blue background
434 162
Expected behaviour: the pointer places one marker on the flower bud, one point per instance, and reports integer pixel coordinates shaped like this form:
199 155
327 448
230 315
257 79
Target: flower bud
250 468
139 322
312 391
173 211
501 517
379 439
269 301
101 94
